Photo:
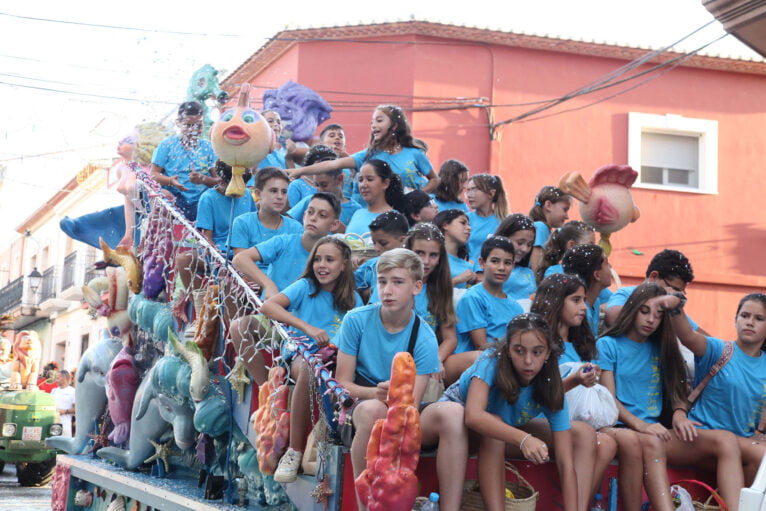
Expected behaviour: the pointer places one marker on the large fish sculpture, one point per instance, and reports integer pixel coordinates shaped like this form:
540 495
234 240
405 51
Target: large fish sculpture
122 382
241 137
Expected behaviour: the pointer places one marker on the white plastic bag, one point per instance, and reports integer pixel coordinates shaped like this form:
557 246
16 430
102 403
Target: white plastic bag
594 405
679 493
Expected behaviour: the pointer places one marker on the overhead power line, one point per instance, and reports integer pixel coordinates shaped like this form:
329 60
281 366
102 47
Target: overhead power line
115 27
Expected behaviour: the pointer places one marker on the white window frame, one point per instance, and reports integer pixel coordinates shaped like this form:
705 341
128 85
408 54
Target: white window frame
707 132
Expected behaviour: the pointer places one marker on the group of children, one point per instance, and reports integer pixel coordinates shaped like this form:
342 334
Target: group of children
489 303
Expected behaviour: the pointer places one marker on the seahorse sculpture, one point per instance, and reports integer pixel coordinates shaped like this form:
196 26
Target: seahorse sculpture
199 383
204 85
272 421
389 481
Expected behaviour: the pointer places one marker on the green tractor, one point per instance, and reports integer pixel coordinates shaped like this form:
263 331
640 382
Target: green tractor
27 418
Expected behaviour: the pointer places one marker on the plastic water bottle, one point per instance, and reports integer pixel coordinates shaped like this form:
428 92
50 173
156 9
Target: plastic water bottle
432 504
598 503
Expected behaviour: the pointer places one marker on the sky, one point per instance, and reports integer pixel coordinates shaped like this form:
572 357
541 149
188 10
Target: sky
76 76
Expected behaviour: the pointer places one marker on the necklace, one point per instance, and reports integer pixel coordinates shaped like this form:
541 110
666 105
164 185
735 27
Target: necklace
395 149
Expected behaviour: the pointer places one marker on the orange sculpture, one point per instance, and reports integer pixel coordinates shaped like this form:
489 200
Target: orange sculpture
272 421
389 481
208 320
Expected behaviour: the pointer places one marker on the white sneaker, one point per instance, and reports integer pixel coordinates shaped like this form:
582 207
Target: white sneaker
287 471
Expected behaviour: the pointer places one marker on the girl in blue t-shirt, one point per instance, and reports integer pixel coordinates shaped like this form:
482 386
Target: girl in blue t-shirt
434 302
391 140
571 234
733 399
453 175
521 231
457 229
486 196
508 386
642 367
560 299
381 190
550 211
315 305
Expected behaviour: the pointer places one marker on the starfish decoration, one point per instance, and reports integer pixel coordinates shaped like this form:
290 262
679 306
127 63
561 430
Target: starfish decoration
162 452
322 492
238 378
101 439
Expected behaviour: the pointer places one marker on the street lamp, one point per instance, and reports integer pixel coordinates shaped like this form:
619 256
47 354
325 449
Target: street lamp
35 279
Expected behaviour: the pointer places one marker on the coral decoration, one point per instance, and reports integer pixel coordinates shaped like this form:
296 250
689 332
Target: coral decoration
127 259
300 108
242 138
389 481
208 321
606 201
24 368
60 487
272 421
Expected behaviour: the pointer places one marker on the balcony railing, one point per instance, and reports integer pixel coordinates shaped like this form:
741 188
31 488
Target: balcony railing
11 295
48 285
68 271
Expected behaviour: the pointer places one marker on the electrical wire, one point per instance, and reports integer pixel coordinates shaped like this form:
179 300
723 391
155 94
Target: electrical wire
46 89
116 27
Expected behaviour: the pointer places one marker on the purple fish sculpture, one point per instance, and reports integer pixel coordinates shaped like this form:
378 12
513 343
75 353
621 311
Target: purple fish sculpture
122 382
300 108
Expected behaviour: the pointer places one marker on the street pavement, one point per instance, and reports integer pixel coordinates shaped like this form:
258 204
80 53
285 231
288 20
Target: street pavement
15 498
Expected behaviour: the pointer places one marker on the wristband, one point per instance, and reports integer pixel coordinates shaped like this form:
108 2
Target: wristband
682 409
679 308
524 440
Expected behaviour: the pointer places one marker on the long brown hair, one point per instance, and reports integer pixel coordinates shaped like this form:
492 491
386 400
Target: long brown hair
343 294
671 361
549 301
548 389
450 188
546 193
488 183
439 281
400 132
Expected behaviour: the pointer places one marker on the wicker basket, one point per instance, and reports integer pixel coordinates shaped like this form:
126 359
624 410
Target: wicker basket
525 496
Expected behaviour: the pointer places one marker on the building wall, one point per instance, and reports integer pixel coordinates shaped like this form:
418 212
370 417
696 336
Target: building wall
721 233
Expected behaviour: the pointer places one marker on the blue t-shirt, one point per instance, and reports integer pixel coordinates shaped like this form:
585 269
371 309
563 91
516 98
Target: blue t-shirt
171 156
286 256
542 233
366 276
348 184
214 213
482 227
275 158
248 230
637 376
410 164
514 414
479 309
421 307
619 297
521 283
346 212
457 266
593 312
297 190
318 311
363 336
444 206
360 221
734 398
570 355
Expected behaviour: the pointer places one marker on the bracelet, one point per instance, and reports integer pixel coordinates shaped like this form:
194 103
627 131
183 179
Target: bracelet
682 409
524 440
679 308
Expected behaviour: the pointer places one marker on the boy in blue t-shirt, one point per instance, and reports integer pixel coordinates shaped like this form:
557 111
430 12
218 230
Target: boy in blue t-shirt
331 182
287 255
184 164
252 228
368 340
670 269
387 232
485 309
